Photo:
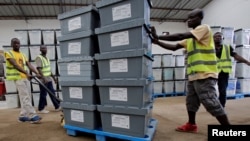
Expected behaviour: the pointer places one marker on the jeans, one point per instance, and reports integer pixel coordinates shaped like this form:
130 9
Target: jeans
222 87
43 95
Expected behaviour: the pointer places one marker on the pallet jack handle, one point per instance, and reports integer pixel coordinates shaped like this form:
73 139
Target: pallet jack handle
50 93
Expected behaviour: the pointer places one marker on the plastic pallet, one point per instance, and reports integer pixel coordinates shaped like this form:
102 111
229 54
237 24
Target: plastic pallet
180 93
157 95
236 96
245 94
102 136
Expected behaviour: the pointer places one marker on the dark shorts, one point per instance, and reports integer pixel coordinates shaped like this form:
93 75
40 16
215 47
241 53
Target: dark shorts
204 91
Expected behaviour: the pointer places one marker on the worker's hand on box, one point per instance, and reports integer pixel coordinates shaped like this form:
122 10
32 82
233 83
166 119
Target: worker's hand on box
153 33
155 41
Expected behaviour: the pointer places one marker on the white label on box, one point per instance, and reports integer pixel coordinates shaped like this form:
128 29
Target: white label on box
118 94
77 115
74 48
75 92
120 121
74 23
119 38
121 12
73 69
118 65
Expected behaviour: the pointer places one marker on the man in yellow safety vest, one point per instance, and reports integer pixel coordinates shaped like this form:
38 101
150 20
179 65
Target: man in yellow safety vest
44 69
201 69
17 66
224 54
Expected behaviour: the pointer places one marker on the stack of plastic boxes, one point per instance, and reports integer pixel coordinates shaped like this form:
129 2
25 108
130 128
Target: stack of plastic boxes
180 75
157 74
125 66
242 42
77 67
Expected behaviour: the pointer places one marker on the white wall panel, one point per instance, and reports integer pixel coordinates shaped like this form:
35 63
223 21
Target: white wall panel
228 13
8 27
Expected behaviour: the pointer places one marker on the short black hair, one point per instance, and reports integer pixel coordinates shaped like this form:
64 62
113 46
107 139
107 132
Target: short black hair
218 33
12 40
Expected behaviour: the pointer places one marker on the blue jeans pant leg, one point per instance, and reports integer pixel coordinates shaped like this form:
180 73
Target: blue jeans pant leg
53 99
42 99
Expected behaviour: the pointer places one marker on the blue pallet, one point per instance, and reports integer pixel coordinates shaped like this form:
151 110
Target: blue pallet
102 135
236 96
245 94
158 95
180 93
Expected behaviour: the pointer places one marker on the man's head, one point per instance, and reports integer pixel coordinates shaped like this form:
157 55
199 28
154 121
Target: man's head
194 18
218 38
15 43
43 49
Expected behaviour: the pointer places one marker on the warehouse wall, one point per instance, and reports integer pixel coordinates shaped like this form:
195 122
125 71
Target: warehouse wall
8 27
228 13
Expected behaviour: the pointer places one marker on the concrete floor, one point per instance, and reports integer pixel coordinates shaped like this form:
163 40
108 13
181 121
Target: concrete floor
170 113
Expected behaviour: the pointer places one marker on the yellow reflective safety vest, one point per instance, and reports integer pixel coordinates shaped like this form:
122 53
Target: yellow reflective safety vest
225 62
201 58
11 72
46 70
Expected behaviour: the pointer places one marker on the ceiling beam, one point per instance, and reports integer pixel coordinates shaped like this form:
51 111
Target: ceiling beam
15 3
28 17
75 4
43 4
18 17
164 8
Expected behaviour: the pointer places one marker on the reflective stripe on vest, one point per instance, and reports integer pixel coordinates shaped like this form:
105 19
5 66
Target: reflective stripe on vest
46 70
225 62
201 58
11 72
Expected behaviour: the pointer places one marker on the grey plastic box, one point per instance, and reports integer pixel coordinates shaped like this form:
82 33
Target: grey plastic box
48 36
124 64
125 121
81 115
124 36
84 92
22 35
81 19
77 69
117 11
125 92
78 44
35 36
